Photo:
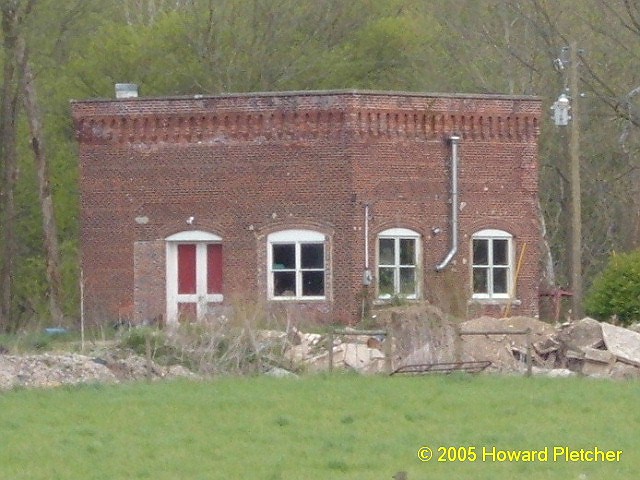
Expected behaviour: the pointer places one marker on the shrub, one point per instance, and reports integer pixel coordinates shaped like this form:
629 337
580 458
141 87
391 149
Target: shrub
136 339
616 291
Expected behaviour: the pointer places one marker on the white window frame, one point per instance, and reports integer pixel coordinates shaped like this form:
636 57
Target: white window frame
490 235
201 298
398 234
297 237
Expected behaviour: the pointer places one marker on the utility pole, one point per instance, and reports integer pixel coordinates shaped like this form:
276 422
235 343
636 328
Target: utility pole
561 117
576 204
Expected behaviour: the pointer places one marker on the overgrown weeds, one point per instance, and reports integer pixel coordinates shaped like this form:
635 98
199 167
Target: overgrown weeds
236 343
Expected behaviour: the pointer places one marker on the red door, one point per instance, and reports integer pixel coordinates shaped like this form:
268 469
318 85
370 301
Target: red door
198 280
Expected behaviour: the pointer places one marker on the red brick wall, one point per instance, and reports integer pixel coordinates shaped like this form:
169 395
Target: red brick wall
248 165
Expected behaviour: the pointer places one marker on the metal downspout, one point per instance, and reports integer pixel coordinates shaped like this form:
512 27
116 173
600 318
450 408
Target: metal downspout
366 275
454 139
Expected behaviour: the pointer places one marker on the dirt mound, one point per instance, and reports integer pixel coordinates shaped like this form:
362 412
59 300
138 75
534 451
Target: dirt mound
506 351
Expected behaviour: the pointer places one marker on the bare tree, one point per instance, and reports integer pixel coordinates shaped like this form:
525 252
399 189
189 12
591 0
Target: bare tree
19 84
37 142
12 20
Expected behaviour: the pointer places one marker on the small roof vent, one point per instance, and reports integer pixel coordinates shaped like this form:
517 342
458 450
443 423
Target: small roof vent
126 90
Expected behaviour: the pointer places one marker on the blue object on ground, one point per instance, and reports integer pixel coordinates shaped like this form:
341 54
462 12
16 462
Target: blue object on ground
55 330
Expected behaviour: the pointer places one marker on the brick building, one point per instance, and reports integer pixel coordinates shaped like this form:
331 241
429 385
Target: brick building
319 201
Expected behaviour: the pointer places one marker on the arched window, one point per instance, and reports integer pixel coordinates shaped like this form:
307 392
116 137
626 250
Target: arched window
492 264
398 252
296 260
194 274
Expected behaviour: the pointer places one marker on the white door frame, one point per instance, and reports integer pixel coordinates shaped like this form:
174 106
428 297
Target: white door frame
201 298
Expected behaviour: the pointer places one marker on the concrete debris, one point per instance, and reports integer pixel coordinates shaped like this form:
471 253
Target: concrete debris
350 352
583 333
597 363
359 357
546 346
278 372
421 334
623 343
599 356
553 372
53 370
418 334
623 371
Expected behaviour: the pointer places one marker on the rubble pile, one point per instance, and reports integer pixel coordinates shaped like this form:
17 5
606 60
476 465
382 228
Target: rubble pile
416 335
52 370
423 335
360 353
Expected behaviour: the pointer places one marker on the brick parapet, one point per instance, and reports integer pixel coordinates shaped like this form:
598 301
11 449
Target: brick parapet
263 117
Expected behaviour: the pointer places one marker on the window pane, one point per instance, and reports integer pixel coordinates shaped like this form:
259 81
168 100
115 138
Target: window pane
284 284
385 282
407 281
480 252
407 251
480 280
214 268
187 268
387 251
284 256
312 255
313 284
500 280
500 252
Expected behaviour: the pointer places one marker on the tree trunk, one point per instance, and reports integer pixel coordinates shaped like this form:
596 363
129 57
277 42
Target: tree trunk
52 252
8 206
8 162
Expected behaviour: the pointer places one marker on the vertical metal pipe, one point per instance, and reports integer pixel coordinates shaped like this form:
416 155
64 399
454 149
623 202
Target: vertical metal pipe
366 236
366 275
454 139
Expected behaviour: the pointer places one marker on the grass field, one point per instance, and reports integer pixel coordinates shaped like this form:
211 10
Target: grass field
340 427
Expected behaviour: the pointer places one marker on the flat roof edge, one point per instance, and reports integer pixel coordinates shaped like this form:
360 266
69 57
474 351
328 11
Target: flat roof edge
308 93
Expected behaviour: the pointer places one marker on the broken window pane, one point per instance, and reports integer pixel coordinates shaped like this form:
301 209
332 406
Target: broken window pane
407 251
284 284
312 284
387 251
284 257
480 280
500 252
385 282
500 280
480 252
407 281
312 255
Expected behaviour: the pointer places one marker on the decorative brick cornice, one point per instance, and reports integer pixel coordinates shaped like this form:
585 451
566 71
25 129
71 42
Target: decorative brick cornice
266 117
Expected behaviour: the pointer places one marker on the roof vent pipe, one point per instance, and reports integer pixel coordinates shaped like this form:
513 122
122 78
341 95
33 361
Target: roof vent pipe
454 139
126 90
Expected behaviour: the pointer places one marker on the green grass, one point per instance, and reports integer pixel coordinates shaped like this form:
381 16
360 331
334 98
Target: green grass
340 427
36 341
